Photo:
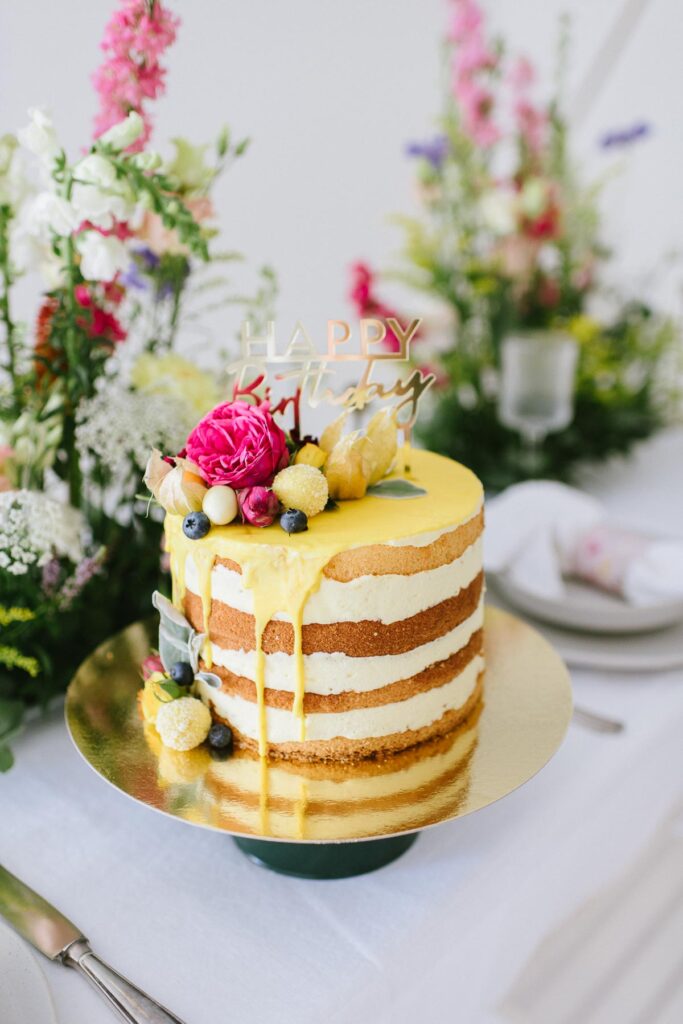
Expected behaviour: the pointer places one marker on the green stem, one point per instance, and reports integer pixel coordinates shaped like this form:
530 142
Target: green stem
6 313
74 476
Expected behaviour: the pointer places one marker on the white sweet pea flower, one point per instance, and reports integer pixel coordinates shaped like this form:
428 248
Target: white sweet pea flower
497 209
98 195
31 248
101 257
147 161
122 135
48 213
15 184
39 135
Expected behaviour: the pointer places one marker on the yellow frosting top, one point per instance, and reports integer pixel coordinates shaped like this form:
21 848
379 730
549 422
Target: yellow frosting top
283 570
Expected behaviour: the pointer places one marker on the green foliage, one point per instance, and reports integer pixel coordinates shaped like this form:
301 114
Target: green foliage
623 395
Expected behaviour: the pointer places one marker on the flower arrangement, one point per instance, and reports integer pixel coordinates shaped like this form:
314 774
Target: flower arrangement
509 239
239 463
118 237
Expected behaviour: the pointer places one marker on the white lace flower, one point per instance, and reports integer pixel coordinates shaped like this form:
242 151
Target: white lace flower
35 529
101 257
119 426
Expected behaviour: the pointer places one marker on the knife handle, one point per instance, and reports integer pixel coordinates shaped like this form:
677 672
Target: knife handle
134 1006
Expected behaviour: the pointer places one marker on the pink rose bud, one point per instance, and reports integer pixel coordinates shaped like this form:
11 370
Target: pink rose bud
150 665
258 505
238 444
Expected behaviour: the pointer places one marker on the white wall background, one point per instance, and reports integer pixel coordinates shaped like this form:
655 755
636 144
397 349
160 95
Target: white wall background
330 92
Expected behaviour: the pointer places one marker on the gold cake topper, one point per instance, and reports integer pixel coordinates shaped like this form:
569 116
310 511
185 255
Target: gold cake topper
301 364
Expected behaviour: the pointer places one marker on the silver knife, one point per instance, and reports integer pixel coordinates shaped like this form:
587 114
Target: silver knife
57 938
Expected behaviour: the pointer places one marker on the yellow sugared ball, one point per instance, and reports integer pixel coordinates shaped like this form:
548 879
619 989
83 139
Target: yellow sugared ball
302 487
220 505
183 723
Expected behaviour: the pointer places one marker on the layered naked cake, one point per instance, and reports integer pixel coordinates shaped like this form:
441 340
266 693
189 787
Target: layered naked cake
360 636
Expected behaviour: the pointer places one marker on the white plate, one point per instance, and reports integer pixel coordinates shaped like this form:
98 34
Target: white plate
587 608
24 995
616 652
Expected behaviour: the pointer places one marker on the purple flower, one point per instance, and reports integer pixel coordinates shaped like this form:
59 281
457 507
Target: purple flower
434 150
51 573
625 136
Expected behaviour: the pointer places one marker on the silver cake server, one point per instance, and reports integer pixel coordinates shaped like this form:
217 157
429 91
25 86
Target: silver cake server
57 938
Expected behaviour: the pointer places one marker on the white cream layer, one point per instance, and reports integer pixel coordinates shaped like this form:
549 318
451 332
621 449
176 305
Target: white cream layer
336 673
359 724
387 598
422 540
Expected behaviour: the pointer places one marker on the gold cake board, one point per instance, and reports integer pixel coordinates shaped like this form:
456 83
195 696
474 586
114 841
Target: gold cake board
328 820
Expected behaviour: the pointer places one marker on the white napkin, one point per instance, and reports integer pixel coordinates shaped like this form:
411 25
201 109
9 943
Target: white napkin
540 532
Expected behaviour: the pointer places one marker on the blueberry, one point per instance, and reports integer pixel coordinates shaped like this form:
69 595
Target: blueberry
181 673
196 525
294 521
220 737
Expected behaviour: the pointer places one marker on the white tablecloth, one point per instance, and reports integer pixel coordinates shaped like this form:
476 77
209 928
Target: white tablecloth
440 935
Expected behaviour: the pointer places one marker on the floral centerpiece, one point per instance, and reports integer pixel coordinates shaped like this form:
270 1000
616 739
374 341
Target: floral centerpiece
509 240
118 236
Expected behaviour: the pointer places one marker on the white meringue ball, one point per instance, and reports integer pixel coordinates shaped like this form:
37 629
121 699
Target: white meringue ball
220 505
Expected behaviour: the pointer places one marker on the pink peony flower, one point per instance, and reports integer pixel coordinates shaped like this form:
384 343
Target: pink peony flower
258 505
238 444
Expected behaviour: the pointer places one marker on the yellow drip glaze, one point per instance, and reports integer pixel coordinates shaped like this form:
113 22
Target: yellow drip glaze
283 571
300 809
263 797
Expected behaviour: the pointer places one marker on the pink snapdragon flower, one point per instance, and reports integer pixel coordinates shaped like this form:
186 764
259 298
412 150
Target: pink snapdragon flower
466 21
135 39
367 304
473 61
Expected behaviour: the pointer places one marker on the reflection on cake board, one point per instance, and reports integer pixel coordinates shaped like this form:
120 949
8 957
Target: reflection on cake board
328 819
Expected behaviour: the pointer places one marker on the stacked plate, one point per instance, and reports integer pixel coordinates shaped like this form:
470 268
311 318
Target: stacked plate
593 629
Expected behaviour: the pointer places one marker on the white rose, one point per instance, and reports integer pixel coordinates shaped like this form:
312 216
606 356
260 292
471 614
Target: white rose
50 213
101 257
39 135
97 194
122 135
497 209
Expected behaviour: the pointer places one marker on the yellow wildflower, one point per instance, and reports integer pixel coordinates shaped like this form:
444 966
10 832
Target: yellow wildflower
178 378
11 657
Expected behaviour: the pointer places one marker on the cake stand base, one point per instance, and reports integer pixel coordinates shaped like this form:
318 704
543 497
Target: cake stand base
325 860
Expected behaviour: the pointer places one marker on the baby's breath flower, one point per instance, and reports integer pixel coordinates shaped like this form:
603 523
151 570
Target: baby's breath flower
118 425
35 529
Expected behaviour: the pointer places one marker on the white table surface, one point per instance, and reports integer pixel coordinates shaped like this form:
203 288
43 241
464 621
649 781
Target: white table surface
440 935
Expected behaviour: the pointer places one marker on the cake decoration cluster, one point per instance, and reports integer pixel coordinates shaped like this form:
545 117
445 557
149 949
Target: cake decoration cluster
239 463
167 699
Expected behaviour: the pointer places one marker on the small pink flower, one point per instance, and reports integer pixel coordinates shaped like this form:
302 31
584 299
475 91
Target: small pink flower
150 665
521 74
258 505
239 444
